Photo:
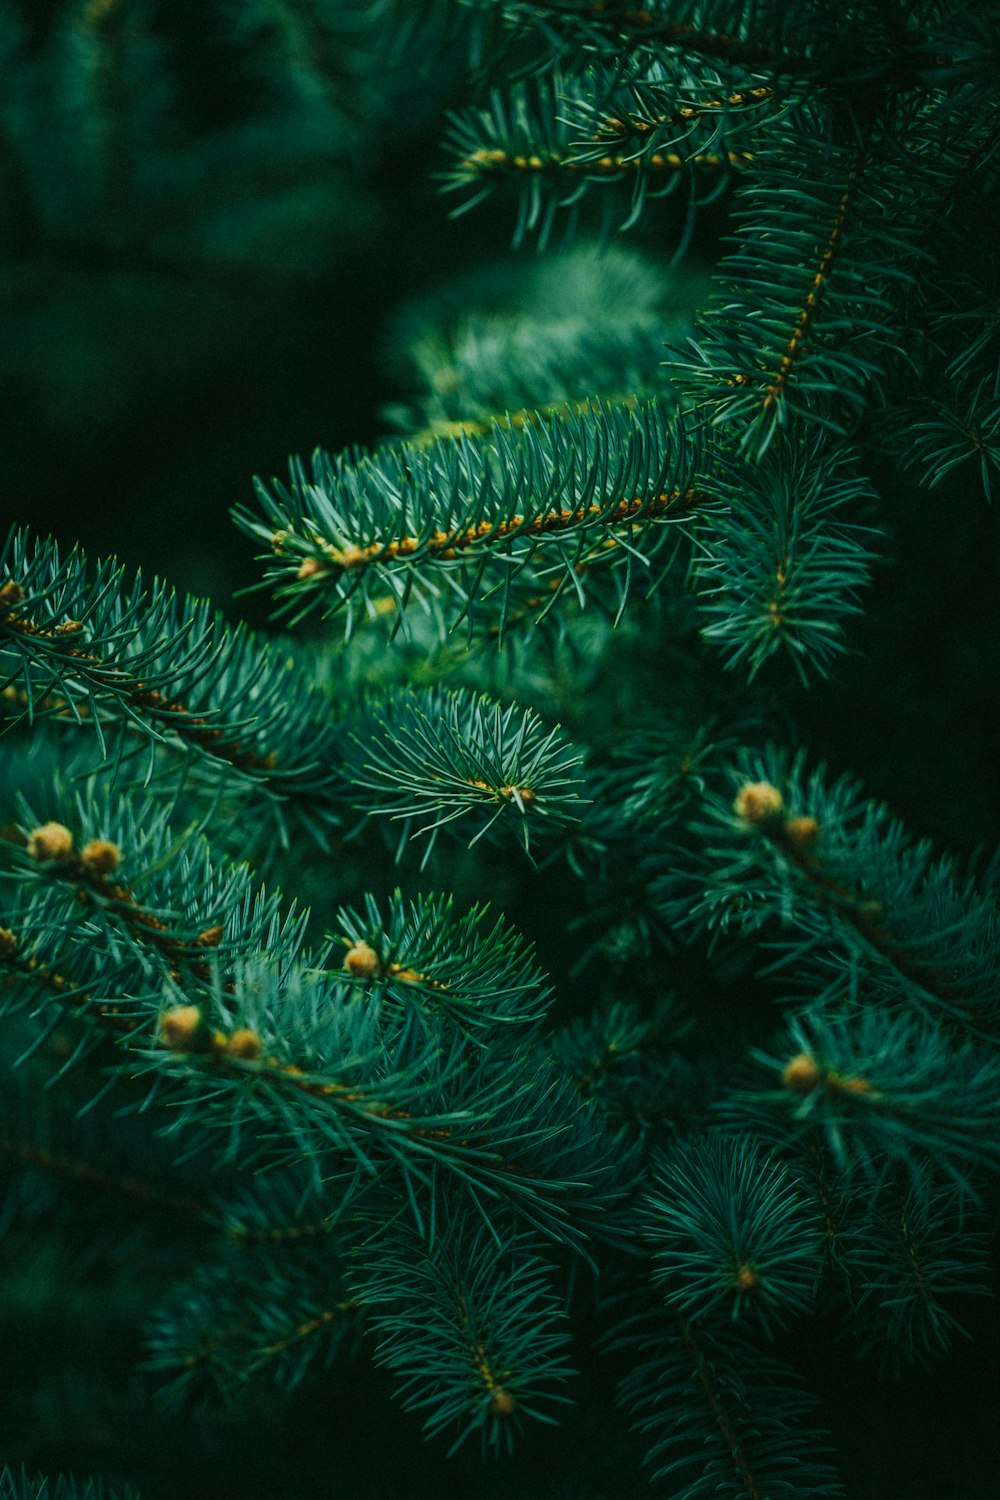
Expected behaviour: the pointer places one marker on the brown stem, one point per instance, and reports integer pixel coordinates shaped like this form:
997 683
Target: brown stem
448 545
80 1170
136 694
779 381
866 917
717 1406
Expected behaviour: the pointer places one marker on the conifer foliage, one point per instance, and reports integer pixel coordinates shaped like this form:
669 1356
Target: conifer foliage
466 1041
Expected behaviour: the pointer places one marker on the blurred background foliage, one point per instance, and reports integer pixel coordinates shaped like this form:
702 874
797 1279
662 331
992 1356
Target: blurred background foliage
213 213
205 205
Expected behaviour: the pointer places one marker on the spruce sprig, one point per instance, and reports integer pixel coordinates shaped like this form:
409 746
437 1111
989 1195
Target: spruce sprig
425 960
730 1231
454 523
472 1330
884 1087
19 1485
844 897
719 1415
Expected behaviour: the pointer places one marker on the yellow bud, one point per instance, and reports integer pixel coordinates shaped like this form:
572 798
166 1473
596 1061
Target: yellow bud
362 961
100 857
802 1073
747 1277
502 1402
801 833
309 567
52 841
180 1028
8 943
244 1043
758 802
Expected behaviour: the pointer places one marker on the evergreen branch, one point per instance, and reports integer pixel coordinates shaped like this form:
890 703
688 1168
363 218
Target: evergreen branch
730 1231
614 25
469 1327
945 435
232 1321
500 763
463 518
592 319
528 137
91 874
20 1486
804 316
145 655
523 417
859 902
81 1171
776 569
454 756
918 1256
657 109
283 1214
487 162
26 972
884 1087
777 387
331 1079
188 913
425 961
720 1417
626 1061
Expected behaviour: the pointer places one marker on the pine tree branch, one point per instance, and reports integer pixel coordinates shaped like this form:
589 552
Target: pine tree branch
148 653
830 868
471 1330
20 1486
622 24
452 522
730 1231
721 1415
81 1171
882 1087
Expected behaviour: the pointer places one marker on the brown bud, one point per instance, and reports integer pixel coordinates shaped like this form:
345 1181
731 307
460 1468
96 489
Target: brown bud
747 1278
802 1073
181 1027
244 1043
52 841
10 594
100 857
758 802
69 627
362 961
8 943
211 937
801 833
502 1402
